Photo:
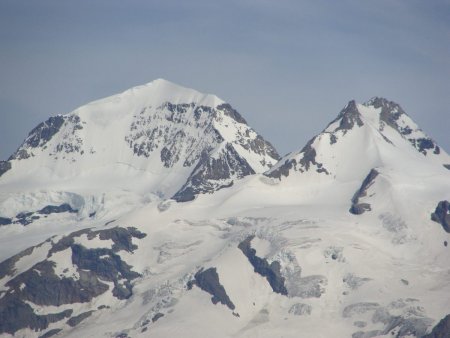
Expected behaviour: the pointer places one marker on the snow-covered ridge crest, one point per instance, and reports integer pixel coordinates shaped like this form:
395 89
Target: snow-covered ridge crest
157 92
160 130
362 136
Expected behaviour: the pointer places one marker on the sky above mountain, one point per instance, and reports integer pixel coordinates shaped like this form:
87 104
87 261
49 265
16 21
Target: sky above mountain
287 66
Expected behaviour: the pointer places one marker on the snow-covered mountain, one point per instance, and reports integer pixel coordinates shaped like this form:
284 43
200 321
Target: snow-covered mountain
175 141
347 237
362 137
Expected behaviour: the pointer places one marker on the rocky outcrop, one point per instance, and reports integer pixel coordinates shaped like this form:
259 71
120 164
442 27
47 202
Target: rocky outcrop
214 173
16 315
208 281
74 321
358 208
4 167
50 333
306 161
348 118
40 285
56 209
272 271
441 330
29 217
45 131
8 266
394 116
5 221
441 215
213 157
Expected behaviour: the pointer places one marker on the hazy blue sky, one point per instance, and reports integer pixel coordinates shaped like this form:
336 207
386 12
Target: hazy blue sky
287 66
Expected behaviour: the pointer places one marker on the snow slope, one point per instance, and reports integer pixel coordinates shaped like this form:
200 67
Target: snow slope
114 155
336 240
149 138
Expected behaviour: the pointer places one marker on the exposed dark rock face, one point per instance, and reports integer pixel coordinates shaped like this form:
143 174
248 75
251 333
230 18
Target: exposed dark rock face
105 265
122 237
8 268
425 144
307 159
158 316
231 112
50 333
150 132
208 280
441 330
390 115
359 208
442 215
41 286
262 147
45 131
282 170
74 321
270 271
348 117
214 163
56 209
5 221
16 315
446 166
209 171
4 167
26 218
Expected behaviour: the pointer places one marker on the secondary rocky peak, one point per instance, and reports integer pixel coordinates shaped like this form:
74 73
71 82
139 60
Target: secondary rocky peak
349 116
392 114
375 125
389 111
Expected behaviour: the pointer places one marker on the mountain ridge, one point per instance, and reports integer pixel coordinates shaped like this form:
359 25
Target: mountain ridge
156 127
375 115
348 239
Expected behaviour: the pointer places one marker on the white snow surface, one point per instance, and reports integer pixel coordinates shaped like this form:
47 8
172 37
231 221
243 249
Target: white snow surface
344 273
96 144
